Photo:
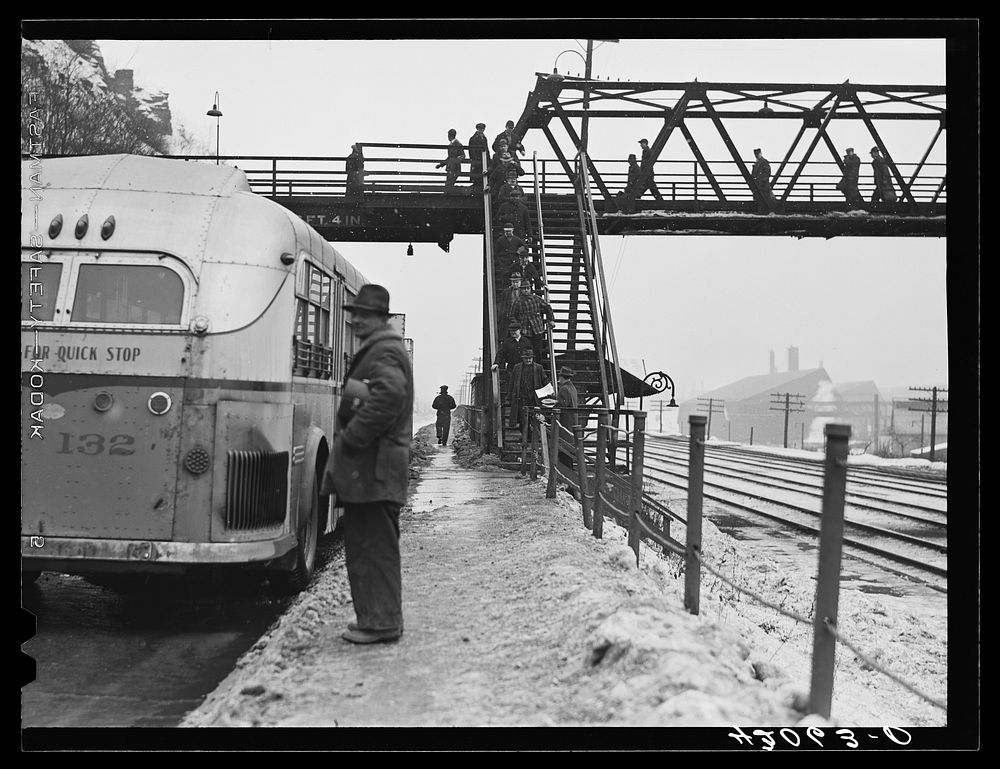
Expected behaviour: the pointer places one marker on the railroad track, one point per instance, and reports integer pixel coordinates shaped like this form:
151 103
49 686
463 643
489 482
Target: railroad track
902 518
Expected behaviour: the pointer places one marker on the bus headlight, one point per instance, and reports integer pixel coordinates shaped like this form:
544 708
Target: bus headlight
159 403
197 460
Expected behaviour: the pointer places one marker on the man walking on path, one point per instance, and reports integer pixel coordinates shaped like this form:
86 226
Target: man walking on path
444 404
368 468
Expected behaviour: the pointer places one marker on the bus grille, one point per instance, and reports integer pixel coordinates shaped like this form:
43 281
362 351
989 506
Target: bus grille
256 488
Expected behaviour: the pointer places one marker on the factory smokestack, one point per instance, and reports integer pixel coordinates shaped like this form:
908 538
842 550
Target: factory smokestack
773 369
793 358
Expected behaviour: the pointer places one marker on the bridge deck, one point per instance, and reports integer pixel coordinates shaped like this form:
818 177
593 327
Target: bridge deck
405 198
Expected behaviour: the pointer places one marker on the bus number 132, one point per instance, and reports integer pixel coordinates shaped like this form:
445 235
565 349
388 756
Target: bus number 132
95 443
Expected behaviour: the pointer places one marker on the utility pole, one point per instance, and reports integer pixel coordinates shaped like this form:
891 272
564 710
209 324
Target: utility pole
932 405
788 407
875 425
711 406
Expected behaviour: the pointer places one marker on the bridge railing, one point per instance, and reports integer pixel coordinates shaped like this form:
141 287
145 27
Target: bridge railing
412 168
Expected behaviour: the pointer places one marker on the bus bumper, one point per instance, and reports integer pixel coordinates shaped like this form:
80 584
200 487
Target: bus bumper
40 553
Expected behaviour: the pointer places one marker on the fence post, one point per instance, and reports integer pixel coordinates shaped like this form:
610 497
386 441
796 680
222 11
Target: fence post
533 428
831 534
602 448
581 468
696 477
274 177
550 490
524 440
635 498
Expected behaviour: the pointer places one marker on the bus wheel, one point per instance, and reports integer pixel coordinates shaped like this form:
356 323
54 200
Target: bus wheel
301 575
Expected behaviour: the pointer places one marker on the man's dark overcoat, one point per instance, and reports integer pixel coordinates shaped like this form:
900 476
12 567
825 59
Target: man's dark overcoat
524 380
371 448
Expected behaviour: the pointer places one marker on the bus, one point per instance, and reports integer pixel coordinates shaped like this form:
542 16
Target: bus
183 345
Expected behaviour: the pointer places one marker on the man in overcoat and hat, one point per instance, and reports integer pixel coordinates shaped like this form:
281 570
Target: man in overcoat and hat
526 378
848 183
884 192
567 399
443 404
478 143
368 469
761 176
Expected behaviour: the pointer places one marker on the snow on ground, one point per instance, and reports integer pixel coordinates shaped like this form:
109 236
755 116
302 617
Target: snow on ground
545 625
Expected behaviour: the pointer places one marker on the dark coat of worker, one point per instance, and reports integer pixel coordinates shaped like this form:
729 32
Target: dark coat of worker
524 380
444 404
848 183
371 448
883 181
478 143
567 398
511 349
513 143
513 210
761 176
355 167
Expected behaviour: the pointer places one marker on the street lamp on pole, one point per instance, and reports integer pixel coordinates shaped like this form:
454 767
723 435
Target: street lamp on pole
555 72
217 114
659 381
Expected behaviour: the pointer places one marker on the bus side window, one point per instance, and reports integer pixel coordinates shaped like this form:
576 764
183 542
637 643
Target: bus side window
39 286
313 352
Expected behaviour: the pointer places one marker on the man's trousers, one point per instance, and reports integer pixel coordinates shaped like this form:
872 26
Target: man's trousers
371 550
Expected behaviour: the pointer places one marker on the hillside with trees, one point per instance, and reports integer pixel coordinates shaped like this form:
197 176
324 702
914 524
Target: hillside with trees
78 107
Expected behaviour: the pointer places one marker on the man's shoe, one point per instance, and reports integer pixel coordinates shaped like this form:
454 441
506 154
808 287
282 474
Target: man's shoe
359 636
354 626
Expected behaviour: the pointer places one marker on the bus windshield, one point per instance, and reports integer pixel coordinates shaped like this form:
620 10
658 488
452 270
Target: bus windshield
126 293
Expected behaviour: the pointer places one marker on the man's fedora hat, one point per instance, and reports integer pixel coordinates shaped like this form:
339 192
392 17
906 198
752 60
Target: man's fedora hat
527 352
444 388
567 372
480 125
372 297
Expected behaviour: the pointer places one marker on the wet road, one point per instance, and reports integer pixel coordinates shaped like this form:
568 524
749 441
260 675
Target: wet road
141 658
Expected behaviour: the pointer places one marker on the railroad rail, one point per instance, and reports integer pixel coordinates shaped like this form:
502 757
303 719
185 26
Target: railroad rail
877 529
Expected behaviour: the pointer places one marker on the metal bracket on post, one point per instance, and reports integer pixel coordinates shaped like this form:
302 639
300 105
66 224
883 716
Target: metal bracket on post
533 428
524 439
696 482
550 490
581 468
831 535
602 448
635 498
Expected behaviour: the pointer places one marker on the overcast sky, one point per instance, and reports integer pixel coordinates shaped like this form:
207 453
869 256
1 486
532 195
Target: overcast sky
707 310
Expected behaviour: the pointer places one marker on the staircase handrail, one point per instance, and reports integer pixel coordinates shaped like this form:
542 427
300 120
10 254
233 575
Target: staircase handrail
595 239
491 312
545 271
590 280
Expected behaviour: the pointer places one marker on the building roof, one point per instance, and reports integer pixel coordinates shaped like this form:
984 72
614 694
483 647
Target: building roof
765 384
863 390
